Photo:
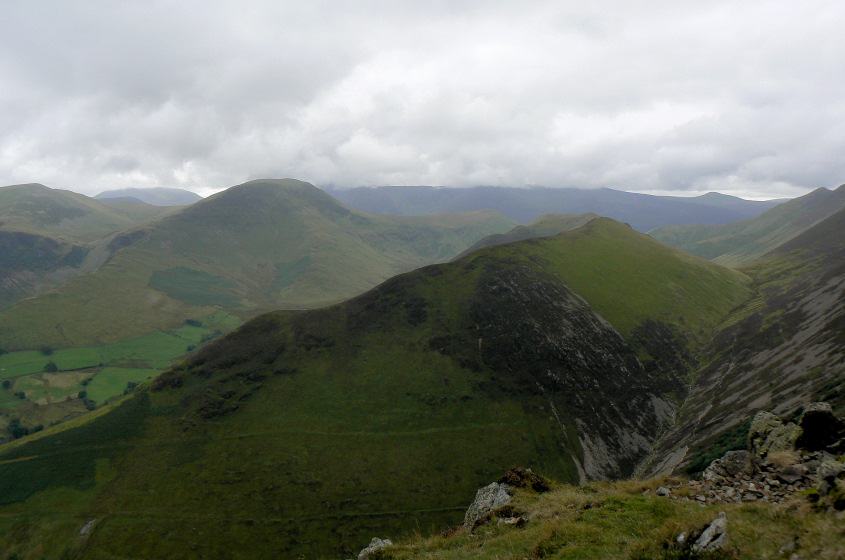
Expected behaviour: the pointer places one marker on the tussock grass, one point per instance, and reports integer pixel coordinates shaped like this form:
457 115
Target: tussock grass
619 521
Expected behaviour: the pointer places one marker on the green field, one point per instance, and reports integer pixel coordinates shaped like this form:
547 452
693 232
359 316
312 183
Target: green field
101 373
113 381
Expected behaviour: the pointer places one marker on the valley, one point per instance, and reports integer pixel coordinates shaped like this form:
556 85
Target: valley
295 377
86 276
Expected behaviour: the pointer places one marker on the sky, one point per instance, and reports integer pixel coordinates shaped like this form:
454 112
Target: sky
745 98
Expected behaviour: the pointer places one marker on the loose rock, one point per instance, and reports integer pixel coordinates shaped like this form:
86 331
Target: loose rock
374 545
714 536
487 499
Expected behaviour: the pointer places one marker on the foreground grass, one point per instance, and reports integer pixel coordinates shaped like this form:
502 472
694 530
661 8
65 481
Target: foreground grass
626 520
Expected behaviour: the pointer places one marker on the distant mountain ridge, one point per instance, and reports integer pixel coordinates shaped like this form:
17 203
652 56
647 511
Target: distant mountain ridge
158 196
49 236
643 212
254 247
743 241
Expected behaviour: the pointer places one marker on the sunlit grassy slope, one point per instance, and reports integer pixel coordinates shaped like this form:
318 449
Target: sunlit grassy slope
309 432
259 246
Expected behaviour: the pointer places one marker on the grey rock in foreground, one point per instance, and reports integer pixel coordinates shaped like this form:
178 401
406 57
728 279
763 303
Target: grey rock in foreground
733 463
374 545
769 434
714 536
487 499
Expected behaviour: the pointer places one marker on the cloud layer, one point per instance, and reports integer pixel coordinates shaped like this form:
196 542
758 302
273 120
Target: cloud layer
744 98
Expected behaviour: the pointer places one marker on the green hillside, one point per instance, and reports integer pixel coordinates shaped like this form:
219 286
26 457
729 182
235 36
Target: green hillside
743 241
544 226
49 236
67 216
255 247
309 432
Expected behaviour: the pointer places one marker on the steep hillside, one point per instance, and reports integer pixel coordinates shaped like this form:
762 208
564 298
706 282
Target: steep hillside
67 216
544 226
643 212
743 241
785 347
259 246
156 196
49 236
308 432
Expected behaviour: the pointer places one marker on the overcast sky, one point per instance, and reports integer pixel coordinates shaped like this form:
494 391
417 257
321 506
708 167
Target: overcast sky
746 98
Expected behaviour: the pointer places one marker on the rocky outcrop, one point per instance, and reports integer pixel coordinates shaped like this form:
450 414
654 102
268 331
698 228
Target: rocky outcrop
487 499
375 544
820 429
776 467
768 434
733 463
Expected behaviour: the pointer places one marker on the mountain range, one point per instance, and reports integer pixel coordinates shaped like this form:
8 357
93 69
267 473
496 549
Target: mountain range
251 248
643 212
740 242
155 196
574 345
569 353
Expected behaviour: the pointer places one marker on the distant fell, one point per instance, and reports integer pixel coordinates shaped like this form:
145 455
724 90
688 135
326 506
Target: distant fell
158 196
643 212
743 241
48 236
544 226
259 246
66 215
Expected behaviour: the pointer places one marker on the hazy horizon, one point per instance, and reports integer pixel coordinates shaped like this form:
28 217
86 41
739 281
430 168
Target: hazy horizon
661 98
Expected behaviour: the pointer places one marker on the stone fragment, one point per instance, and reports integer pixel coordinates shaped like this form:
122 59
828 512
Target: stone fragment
663 491
829 468
487 499
714 536
791 474
515 521
374 545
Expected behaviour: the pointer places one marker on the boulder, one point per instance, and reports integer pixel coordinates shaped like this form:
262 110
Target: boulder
769 433
714 536
830 469
820 429
491 497
374 545
733 463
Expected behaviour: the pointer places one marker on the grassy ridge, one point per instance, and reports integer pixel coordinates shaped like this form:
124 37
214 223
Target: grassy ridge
626 279
741 242
308 432
255 247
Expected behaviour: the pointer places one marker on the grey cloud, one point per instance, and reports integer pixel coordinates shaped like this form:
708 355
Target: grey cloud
652 96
